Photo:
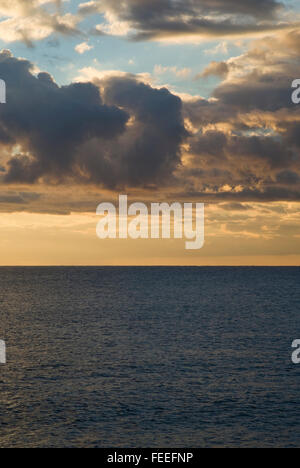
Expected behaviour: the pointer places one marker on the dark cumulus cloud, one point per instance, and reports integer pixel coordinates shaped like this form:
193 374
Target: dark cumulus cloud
131 135
151 148
152 19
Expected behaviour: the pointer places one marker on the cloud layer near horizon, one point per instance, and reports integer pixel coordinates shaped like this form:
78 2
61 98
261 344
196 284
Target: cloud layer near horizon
247 136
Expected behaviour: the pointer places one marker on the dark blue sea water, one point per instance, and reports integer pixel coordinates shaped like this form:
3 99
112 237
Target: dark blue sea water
149 357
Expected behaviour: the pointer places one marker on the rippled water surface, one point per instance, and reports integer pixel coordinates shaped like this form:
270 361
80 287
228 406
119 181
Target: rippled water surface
149 357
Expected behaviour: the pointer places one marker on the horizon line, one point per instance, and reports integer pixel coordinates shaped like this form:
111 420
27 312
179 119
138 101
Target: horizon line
149 266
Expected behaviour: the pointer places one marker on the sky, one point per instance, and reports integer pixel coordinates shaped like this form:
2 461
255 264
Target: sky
162 100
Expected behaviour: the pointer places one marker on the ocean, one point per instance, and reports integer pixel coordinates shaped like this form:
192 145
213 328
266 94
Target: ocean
149 357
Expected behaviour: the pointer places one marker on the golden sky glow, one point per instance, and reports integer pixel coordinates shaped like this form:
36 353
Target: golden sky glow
267 235
194 105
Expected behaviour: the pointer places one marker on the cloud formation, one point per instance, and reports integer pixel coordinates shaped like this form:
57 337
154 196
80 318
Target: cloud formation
83 47
166 19
31 20
246 143
115 131
129 136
